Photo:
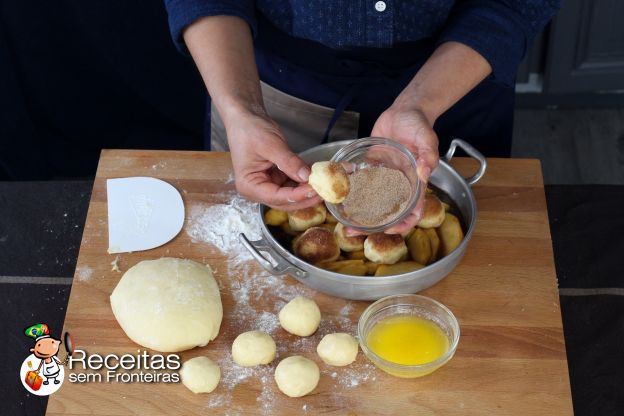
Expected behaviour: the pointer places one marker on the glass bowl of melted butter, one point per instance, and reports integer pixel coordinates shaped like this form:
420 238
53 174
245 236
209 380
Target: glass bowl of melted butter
408 335
383 184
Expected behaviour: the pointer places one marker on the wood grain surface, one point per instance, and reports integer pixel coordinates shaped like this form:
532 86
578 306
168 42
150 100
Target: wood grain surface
511 357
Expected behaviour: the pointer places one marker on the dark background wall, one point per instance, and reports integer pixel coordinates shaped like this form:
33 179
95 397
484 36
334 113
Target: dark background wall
76 77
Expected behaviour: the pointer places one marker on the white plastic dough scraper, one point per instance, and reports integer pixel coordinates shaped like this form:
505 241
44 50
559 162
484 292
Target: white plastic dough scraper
143 213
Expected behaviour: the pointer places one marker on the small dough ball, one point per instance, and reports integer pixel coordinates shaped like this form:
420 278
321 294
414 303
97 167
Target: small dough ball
200 375
433 212
301 316
168 304
315 245
338 349
348 244
330 181
302 219
253 348
275 217
385 248
297 376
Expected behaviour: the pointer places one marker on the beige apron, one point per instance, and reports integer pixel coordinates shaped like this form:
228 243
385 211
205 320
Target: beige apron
302 122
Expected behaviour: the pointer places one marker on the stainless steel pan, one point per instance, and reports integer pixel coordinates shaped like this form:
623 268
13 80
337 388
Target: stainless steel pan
278 260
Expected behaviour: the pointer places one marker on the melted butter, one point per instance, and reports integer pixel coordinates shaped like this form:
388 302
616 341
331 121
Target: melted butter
407 340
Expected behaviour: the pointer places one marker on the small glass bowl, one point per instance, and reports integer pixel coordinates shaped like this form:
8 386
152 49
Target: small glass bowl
411 305
373 151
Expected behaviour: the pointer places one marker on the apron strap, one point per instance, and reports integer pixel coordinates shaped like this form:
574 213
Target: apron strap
344 102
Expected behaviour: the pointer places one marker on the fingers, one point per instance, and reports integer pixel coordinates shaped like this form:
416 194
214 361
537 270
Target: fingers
288 162
259 187
427 160
408 223
308 203
411 220
350 232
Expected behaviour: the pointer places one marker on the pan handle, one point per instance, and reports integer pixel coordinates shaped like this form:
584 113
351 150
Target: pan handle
281 266
472 152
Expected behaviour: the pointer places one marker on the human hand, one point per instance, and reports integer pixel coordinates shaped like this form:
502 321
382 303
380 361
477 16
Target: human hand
265 169
410 127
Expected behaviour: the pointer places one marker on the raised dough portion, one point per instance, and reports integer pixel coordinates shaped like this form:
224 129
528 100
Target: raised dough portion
297 376
253 348
301 316
338 349
200 374
168 304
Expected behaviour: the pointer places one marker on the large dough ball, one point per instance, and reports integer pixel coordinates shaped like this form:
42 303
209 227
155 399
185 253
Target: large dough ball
200 374
338 349
315 245
253 348
301 316
385 248
348 244
302 219
168 304
297 376
330 181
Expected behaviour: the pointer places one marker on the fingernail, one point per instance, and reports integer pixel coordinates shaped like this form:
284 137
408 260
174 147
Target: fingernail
290 200
304 174
309 194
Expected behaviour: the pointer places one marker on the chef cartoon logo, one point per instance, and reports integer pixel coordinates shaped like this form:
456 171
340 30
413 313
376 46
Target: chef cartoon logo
42 373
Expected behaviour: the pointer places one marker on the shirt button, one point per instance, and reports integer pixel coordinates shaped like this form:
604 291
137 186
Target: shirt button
380 6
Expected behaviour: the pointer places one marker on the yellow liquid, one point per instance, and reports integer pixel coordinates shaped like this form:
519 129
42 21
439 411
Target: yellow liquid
407 340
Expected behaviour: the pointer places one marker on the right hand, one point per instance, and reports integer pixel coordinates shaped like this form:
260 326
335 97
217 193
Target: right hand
265 169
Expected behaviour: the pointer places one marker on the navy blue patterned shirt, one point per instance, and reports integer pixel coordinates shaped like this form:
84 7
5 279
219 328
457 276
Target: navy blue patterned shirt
500 30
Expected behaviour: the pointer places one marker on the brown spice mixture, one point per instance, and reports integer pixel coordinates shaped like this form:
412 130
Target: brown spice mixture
377 195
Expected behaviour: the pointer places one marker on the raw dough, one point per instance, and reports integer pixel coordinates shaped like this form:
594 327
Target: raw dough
330 181
301 316
253 348
338 349
168 304
200 374
297 376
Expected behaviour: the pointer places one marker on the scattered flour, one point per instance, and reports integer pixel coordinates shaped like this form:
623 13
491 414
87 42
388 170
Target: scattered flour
115 265
221 224
84 273
258 298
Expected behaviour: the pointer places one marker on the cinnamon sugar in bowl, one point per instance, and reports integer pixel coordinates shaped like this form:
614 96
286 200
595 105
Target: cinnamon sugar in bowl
384 185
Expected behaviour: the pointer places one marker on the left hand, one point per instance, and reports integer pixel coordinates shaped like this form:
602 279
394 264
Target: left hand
410 127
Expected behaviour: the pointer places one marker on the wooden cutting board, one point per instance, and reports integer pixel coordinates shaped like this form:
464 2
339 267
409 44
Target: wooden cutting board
511 357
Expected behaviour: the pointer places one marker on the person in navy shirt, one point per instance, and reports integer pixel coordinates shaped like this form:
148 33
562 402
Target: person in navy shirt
285 75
